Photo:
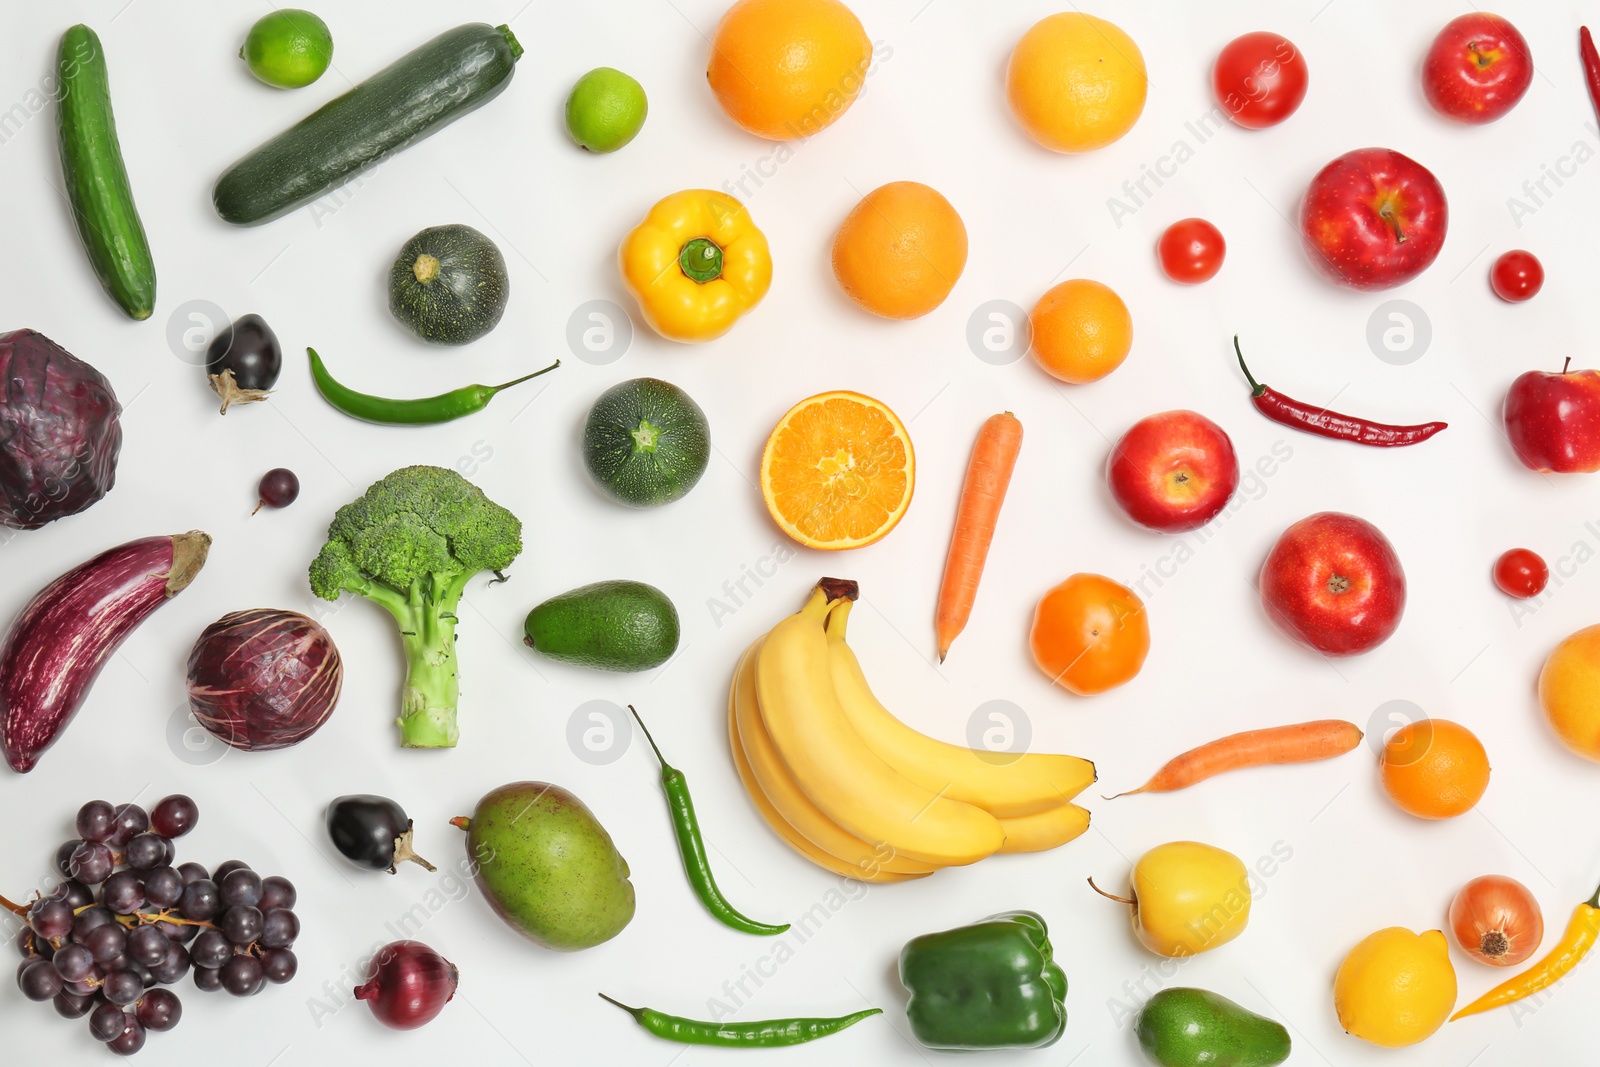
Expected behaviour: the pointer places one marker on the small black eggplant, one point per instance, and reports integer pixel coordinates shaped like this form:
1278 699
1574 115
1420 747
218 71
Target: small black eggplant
243 361
372 831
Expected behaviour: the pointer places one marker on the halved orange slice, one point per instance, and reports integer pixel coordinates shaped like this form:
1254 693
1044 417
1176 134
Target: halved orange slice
838 471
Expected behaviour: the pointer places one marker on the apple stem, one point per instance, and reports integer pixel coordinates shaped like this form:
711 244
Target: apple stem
1130 901
1565 364
1256 388
1386 212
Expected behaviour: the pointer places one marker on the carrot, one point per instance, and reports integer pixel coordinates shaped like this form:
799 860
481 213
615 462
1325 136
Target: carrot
994 456
1303 742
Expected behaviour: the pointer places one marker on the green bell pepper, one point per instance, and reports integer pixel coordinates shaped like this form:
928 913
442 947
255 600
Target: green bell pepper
986 986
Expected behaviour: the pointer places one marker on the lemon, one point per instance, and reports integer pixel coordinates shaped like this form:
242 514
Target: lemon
1395 988
288 49
605 110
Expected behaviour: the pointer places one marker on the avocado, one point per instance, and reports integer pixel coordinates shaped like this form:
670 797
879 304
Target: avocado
1193 1027
547 866
609 626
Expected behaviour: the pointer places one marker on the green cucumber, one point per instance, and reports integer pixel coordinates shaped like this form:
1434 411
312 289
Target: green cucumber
421 92
97 181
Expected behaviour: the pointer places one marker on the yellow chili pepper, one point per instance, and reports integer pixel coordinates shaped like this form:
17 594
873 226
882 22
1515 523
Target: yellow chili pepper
1583 931
696 264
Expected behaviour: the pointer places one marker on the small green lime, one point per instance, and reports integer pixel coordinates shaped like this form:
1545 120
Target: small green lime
605 110
288 48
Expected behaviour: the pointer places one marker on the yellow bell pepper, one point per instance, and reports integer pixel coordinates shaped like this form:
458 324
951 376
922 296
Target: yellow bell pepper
696 264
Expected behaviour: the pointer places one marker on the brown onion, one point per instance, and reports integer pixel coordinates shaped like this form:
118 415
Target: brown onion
1496 920
264 678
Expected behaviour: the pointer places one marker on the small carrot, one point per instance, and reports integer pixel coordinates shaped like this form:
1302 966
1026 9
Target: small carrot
994 456
1303 742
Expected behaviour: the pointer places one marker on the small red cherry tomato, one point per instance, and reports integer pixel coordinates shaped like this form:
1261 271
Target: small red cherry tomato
1521 573
1191 251
1516 276
1259 79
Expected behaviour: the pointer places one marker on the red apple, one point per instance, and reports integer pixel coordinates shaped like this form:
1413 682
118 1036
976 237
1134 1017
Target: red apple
1553 420
1334 584
1173 471
1373 218
1478 68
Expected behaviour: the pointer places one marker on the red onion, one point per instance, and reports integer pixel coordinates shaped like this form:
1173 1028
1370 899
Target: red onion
408 984
57 646
264 678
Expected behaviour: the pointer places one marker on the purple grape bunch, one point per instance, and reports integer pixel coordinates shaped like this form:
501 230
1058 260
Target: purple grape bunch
126 923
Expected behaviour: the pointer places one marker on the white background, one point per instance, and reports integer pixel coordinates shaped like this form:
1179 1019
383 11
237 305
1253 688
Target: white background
933 111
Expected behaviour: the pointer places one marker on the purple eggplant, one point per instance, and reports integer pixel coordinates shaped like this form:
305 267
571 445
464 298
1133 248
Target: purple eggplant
56 647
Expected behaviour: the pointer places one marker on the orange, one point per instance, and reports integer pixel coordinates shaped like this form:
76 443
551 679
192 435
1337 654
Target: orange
1434 769
1081 331
1090 634
899 252
838 471
785 69
1569 692
1075 82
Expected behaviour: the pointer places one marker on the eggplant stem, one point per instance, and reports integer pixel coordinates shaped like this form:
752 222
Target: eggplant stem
403 853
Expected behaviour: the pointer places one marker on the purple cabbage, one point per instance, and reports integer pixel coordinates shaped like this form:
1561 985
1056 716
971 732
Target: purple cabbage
59 432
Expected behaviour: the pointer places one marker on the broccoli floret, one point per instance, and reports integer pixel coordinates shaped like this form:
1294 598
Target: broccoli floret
411 544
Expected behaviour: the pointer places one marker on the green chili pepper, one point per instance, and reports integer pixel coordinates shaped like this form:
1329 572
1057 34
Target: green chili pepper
419 412
693 849
767 1033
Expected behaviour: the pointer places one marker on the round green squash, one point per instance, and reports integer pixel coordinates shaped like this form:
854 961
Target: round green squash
448 285
646 443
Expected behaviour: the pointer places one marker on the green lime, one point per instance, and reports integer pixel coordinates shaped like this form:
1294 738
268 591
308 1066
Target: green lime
288 48
605 110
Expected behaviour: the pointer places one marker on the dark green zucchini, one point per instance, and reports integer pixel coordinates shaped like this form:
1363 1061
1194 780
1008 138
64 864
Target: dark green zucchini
448 285
97 181
423 91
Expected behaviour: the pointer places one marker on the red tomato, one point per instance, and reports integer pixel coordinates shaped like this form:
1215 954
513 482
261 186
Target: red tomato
1259 79
1521 573
1516 276
1191 251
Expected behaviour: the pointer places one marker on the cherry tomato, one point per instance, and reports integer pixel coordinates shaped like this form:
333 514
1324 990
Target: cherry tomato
1516 276
1259 79
1191 251
1521 573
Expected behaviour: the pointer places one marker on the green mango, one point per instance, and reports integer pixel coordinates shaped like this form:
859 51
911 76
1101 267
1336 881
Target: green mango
1196 1028
548 867
609 626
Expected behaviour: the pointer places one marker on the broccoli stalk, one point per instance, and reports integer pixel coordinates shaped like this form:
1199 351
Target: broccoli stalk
411 544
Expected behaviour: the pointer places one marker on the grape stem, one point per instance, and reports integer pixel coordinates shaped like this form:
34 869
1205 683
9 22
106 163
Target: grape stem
13 908
163 915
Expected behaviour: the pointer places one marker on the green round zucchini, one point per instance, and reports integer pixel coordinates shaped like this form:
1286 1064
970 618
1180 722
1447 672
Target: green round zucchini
449 285
421 92
646 443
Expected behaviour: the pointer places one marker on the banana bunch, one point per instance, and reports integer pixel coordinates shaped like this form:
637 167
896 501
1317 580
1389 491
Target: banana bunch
858 792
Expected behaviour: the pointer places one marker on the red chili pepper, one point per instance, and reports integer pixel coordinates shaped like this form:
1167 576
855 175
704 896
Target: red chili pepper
1324 423
1591 65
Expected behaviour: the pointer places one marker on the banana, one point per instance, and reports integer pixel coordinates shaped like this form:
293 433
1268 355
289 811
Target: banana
822 859
835 768
1044 830
1032 782
789 802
